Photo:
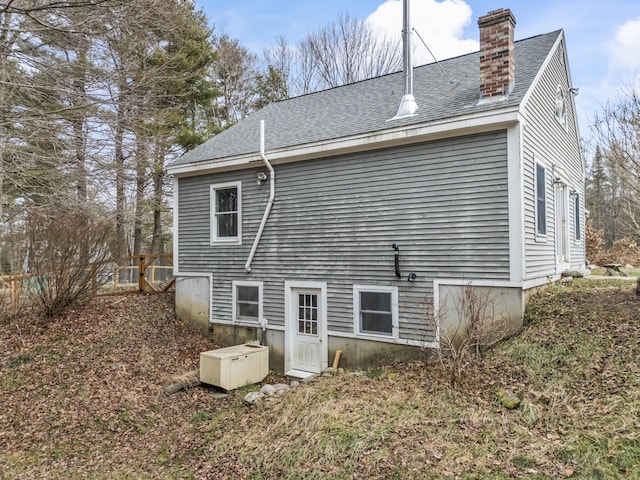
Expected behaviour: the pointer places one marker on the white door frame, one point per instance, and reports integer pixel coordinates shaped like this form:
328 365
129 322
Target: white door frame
563 245
290 324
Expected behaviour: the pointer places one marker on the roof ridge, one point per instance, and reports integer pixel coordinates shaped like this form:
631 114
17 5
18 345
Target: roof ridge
475 52
366 106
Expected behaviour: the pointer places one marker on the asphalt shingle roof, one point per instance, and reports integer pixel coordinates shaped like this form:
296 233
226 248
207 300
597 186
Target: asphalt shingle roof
367 106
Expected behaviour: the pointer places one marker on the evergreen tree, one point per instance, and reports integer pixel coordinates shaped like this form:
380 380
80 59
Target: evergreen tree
271 87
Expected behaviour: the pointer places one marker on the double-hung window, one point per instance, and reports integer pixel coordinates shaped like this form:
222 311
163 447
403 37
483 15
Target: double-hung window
541 200
247 301
226 213
375 310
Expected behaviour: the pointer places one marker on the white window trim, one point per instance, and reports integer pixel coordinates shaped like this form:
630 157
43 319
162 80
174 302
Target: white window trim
540 237
215 240
394 311
577 219
561 186
561 120
234 313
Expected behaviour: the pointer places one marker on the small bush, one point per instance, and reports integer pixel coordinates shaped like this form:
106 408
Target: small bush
473 328
69 256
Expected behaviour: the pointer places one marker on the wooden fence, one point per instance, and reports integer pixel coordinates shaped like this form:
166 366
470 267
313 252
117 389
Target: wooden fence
15 284
144 272
141 274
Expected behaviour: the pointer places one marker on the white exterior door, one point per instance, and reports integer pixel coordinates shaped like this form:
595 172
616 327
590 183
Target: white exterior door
306 343
306 351
562 227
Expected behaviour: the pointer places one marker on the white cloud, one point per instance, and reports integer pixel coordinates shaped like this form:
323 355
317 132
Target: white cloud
440 24
625 49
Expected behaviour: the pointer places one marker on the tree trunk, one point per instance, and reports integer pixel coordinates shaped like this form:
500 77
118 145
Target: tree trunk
141 170
4 108
79 123
121 232
157 245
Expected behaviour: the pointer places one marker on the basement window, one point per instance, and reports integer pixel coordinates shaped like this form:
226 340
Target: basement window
226 213
375 310
247 301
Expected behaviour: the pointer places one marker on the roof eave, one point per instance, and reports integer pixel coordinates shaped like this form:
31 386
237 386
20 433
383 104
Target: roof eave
490 120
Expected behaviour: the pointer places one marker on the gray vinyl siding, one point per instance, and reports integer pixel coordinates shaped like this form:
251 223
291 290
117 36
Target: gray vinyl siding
546 140
334 220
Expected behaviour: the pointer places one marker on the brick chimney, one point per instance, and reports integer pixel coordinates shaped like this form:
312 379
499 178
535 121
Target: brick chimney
497 66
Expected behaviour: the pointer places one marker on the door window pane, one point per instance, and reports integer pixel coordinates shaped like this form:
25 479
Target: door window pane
308 314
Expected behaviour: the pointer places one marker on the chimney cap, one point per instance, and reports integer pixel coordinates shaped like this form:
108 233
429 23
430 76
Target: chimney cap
497 16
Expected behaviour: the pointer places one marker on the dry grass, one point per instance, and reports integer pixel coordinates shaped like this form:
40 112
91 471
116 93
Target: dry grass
83 400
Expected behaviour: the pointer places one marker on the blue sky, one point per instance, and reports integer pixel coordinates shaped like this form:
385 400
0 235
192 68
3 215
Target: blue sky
603 37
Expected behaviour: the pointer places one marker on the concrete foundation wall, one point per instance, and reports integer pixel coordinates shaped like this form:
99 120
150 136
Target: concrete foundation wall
356 353
501 310
498 312
365 354
193 300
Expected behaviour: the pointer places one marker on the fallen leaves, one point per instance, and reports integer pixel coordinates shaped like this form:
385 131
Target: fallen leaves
89 397
82 397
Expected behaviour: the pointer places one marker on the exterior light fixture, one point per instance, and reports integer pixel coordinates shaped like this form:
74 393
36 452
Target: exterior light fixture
261 178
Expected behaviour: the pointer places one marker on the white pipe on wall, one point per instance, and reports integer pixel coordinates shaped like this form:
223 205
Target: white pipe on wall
272 195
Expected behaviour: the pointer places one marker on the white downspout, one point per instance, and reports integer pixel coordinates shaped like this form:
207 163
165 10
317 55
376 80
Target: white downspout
272 195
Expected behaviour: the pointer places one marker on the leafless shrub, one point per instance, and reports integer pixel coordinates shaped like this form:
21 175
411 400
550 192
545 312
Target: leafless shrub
69 256
464 335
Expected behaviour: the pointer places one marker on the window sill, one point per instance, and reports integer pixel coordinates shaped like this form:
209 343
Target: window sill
233 241
376 338
246 323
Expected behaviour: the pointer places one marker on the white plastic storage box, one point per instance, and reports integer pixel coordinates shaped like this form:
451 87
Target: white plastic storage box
234 367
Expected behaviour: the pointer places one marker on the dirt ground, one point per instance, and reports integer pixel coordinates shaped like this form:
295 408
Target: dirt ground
81 397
